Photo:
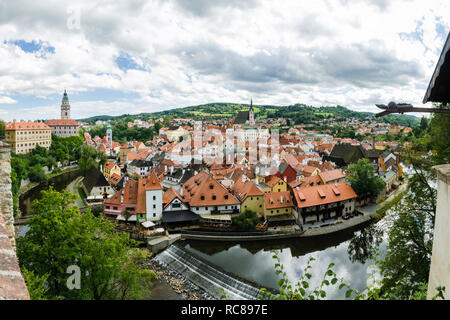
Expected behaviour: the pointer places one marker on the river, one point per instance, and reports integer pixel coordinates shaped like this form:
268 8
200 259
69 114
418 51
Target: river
349 250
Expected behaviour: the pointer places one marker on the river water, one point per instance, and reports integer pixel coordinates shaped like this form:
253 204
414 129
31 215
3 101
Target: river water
349 250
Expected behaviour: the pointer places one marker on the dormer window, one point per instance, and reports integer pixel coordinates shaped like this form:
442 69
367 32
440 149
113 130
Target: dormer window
202 197
211 186
226 197
214 197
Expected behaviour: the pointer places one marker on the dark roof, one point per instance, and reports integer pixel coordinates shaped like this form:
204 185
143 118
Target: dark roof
177 173
347 152
157 158
371 153
179 216
141 163
94 178
439 87
242 117
187 175
282 167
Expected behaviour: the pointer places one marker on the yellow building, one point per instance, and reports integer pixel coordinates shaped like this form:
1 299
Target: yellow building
111 168
250 195
276 184
277 203
25 136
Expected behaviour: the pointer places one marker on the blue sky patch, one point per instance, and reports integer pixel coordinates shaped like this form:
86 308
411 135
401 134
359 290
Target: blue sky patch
126 62
41 48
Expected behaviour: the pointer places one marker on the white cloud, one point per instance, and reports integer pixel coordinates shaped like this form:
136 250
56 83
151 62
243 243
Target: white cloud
296 52
7 100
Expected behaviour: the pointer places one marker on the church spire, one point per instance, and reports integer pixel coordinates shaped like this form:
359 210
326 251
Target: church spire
65 106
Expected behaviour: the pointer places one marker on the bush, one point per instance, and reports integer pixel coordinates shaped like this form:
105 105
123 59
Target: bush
246 220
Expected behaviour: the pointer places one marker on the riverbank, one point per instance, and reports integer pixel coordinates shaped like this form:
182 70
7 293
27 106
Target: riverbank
171 285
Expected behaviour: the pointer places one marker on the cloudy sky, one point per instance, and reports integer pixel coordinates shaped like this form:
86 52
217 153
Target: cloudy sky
133 56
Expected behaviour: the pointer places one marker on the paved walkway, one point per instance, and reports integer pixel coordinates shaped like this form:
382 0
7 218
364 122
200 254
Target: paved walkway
73 188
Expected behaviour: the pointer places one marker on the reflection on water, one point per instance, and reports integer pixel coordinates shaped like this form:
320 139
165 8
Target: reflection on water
252 260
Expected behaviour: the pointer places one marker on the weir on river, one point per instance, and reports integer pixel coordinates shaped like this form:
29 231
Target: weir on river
209 278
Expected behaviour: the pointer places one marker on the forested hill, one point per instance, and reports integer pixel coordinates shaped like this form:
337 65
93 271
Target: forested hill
297 114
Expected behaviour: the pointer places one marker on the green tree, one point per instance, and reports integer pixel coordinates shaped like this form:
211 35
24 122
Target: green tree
87 160
36 285
363 180
246 220
440 135
36 173
410 237
60 237
2 129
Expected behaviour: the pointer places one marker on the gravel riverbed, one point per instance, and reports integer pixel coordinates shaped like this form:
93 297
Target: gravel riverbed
171 285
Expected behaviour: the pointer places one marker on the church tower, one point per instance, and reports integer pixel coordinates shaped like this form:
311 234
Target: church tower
109 134
65 106
251 114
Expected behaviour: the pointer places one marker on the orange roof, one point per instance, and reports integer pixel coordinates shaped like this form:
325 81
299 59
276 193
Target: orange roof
331 175
204 190
115 178
62 122
311 181
306 170
26 125
274 200
129 194
246 189
169 195
137 155
109 164
272 180
141 203
323 194
152 182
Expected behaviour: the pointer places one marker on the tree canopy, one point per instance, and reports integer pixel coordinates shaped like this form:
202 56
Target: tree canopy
363 180
62 241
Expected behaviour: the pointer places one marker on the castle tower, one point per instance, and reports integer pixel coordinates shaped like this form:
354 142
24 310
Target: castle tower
65 106
251 113
109 134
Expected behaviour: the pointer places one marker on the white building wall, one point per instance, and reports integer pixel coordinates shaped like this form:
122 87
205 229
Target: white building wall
170 207
153 206
440 258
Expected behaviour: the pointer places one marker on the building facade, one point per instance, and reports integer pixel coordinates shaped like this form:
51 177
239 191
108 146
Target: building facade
25 136
64 127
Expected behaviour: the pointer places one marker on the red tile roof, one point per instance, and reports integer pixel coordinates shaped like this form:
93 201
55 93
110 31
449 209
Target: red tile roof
204 190
170 195
323 194
26 126
62 122
275 200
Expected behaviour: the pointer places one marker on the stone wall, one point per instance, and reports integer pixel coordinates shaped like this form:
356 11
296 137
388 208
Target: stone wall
6 201
440 258
12 284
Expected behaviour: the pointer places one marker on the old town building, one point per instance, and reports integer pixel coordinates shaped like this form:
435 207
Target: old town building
24 136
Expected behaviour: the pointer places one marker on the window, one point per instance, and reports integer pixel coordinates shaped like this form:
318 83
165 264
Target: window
114 208
154 197
214 197
202 197
154 206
